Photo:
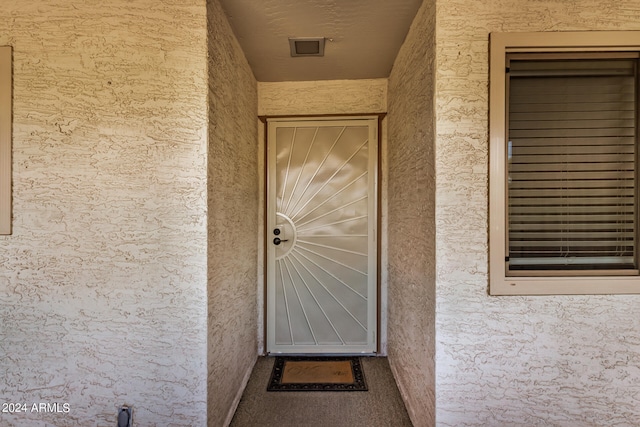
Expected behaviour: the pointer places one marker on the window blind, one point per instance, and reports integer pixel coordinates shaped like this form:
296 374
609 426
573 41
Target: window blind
572 164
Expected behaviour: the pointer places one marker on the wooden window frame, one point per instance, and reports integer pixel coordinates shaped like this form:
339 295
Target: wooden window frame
501 44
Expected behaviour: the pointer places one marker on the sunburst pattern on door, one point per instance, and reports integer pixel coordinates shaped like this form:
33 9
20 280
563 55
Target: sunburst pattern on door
321 234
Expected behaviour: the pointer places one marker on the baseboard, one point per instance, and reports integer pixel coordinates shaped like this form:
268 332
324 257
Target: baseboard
236 400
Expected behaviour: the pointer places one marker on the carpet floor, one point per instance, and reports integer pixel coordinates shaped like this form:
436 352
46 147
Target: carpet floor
381 406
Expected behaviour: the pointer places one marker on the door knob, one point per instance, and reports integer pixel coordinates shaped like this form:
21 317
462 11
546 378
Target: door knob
277 241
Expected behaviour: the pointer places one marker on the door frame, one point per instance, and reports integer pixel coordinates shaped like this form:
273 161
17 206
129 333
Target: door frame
378 162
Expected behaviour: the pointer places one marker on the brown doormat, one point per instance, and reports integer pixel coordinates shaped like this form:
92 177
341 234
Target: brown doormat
317 374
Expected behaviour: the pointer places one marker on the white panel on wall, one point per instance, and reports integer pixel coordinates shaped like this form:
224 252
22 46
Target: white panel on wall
6 101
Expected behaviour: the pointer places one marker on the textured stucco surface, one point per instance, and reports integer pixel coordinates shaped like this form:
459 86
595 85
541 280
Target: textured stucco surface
103 282
322 97
325 97
517 361
232 218
411 229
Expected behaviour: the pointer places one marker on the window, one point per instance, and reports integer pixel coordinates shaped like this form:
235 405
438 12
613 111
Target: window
5 139
564 190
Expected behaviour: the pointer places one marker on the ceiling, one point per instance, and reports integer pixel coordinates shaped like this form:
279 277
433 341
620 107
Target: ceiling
362 36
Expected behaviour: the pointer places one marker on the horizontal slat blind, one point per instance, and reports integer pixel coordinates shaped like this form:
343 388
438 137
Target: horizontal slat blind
572 164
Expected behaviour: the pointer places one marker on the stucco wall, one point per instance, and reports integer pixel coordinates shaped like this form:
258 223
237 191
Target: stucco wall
411 232
518 361
103 282
324 97
232 217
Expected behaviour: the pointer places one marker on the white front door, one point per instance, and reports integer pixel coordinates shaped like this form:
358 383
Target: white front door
321 235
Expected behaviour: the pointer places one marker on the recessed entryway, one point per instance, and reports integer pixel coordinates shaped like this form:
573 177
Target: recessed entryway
381 405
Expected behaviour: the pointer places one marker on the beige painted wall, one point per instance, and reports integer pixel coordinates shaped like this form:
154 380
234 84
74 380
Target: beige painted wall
563 361
103 282
232 218
322 97
411 232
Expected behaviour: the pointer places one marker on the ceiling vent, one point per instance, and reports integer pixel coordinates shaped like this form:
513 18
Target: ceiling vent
307 46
